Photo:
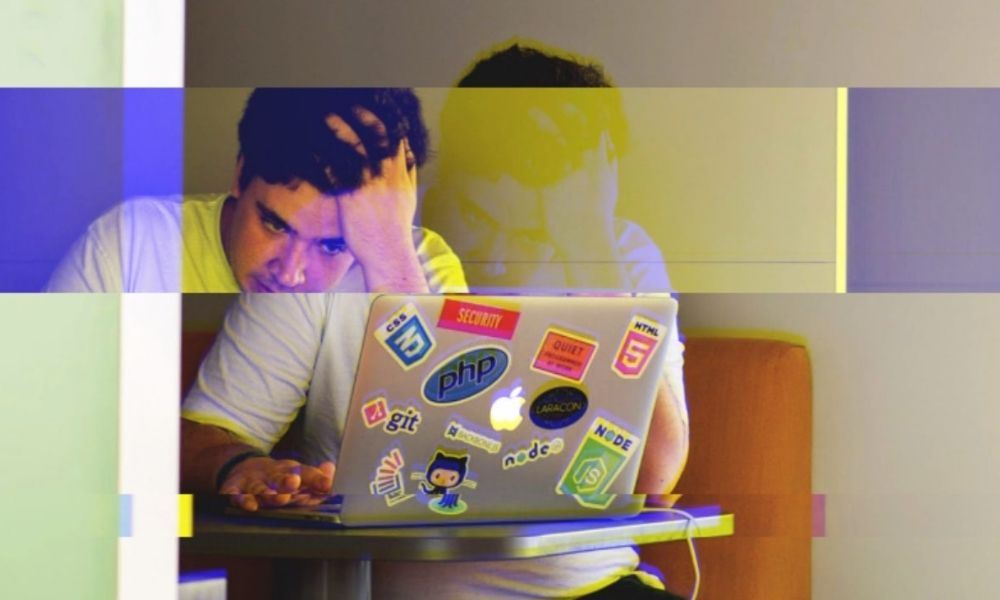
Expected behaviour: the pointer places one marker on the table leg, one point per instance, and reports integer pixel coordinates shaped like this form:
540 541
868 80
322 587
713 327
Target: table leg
314 579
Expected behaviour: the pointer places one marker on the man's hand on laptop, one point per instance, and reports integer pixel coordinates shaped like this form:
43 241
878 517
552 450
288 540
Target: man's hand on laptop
266 482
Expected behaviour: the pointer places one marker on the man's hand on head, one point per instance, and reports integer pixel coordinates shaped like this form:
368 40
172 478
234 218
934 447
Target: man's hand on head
266 482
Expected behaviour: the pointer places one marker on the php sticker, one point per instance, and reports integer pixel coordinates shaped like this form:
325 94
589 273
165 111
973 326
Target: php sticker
402 419
465 375
375 412
460 433
406 338
388 481
446 472
601 456
536 450
478 319
641 339
558 407
564 354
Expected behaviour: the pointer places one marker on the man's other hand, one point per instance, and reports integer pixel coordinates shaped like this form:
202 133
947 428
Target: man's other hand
266 482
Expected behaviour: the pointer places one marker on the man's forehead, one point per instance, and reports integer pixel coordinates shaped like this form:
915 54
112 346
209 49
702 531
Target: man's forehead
310 213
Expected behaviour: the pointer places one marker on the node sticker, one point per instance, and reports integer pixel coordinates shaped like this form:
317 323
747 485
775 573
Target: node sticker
478 319
460 433
388 481
564 354
536 450
406 338
375 412
641 339
601 456
446 472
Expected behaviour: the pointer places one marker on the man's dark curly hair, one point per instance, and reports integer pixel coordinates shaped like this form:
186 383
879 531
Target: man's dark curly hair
284 137
523 66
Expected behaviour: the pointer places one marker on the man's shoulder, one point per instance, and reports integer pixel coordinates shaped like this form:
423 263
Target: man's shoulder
441 265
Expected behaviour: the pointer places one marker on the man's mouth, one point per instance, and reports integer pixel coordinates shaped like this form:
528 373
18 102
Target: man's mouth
261 287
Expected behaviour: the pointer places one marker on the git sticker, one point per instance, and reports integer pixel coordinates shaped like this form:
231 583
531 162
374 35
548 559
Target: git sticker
641 339
478 319
406 337
375 412
564 354
602 455
388 481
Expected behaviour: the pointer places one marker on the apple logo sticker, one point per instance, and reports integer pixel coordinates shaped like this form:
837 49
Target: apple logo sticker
505 413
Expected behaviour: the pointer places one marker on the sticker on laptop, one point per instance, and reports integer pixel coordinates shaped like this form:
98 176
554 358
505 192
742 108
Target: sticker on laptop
445 473
388 481
460 432
404 420
374 412
564 354
478 319
406 337
597 462
505 411
641 339
558 407
465 374
536 450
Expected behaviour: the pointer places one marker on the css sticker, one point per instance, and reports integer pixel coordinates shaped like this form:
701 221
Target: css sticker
400 419
388 481
564 354
505 412
478 319
466 374
375 412
405 337
460 433
536 450
558 407
446 472
641 339
601 456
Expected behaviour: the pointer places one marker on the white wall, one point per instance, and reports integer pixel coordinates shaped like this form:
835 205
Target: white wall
906 434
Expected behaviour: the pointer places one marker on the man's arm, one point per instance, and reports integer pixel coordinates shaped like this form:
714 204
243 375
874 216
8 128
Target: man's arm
666 449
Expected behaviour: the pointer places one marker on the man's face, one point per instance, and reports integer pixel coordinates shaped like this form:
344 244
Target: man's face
284 239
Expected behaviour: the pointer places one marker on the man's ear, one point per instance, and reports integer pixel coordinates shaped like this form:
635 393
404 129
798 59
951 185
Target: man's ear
234 189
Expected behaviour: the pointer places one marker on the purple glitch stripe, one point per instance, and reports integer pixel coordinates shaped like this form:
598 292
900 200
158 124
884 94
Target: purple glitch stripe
819 515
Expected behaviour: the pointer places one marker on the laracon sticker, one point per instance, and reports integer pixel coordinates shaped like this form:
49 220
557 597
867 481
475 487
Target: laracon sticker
406 338
558 407
536 450
446 472
478 319
564 354
388 481
466 374
402 419
375 412
641 339
601 456
460 433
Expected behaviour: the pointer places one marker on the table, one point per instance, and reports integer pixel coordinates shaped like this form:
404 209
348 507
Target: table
322 562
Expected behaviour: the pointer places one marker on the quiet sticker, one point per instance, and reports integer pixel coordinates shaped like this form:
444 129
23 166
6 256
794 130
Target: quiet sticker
641 339
478 319
599 459
564 354
406 338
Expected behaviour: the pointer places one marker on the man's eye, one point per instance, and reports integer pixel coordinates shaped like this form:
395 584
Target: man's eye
274 225
332 248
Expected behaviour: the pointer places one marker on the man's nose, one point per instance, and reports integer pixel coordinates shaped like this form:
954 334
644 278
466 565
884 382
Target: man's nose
290 267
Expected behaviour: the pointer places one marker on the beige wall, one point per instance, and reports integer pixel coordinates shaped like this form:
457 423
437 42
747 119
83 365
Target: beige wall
906 434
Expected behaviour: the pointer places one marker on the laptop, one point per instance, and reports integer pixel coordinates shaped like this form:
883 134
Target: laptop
497 409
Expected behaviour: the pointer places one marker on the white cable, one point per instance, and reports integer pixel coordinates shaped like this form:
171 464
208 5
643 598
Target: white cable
690 541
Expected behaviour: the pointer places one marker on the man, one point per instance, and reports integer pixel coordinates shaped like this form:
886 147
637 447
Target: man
323 199
527 197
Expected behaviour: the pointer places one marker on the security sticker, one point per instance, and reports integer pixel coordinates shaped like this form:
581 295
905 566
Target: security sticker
601 456
641 339
536 450
564 354
478 319
460 433
406 337
402 419
375 412
388 481
446 472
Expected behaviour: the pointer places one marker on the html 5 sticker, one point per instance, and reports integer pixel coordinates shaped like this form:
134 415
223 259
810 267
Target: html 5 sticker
406 338
641 339
564 354
478 319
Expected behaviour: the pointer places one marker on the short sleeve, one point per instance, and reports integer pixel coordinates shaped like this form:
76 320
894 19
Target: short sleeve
257 375
647 271
441 266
